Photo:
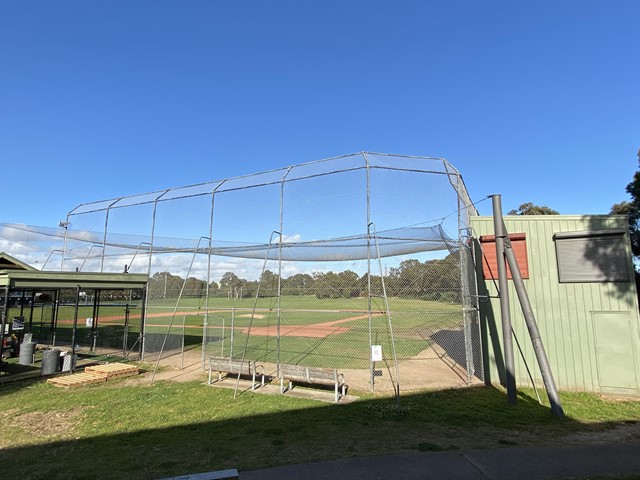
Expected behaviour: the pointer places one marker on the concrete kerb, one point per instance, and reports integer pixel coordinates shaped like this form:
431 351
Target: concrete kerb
231 474
535 463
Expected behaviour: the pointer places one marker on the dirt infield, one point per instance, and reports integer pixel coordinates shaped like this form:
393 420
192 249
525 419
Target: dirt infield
316 330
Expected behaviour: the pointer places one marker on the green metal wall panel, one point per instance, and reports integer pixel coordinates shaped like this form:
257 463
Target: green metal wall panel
564 311
615 356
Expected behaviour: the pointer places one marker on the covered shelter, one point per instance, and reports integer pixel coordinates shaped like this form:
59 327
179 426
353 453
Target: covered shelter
88 313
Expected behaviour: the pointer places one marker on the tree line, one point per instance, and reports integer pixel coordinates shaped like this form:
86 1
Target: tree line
437 280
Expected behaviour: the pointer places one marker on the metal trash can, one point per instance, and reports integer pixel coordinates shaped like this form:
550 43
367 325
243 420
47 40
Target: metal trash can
66 361
50 359
27 351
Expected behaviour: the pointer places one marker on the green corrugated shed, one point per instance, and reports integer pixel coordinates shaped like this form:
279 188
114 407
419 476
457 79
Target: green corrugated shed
591 330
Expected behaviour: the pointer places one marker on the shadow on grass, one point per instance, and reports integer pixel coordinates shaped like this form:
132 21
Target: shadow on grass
202 428
453 343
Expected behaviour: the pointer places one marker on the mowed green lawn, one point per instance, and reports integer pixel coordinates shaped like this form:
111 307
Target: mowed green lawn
121 429
308 302
298 310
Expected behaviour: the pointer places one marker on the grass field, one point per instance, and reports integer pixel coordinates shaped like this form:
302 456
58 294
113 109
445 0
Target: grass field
342 345
300 309
124 430
310 302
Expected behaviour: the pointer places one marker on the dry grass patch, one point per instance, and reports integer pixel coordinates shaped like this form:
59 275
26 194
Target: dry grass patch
30 428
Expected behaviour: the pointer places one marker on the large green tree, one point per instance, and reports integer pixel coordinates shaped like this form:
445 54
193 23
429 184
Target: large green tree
298 284
230 284
532 209
632 209
164 285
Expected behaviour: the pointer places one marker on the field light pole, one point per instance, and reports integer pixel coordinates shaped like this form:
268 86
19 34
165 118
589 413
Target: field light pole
63 224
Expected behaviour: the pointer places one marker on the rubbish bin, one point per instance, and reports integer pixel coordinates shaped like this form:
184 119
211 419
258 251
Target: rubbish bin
50 359
27 351
66 361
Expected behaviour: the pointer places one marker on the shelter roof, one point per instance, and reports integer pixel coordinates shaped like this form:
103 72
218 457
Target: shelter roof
21 279
7 262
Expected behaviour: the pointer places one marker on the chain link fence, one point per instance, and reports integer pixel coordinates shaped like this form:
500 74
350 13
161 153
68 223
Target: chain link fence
361 263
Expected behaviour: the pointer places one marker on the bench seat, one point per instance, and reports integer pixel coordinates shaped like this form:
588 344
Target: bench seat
235 366
312 376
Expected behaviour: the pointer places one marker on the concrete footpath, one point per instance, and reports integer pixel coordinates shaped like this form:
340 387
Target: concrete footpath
530 463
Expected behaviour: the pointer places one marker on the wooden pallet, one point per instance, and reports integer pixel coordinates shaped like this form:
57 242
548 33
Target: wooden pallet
76 380
112 370
95 374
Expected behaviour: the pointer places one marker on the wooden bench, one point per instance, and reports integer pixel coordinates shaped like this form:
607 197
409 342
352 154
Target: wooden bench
312 376
235 366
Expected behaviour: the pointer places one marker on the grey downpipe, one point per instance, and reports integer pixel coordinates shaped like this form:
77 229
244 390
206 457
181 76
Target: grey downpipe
505 313
534 333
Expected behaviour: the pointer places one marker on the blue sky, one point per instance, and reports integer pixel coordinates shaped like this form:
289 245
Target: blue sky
538 101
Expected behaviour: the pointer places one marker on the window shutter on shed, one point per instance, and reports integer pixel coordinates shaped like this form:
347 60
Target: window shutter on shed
592 256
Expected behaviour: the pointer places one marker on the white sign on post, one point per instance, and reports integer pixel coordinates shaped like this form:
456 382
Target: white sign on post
376 353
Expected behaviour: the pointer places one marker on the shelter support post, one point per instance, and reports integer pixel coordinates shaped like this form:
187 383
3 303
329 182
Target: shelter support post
74 330
5 309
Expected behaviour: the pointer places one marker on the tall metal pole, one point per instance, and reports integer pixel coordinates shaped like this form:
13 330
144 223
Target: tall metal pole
534 333
505 313
104 238
175 310
145 307
280 269
390 326
464 282
369 316
205 323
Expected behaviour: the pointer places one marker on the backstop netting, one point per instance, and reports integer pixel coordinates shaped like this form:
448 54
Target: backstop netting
361 263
